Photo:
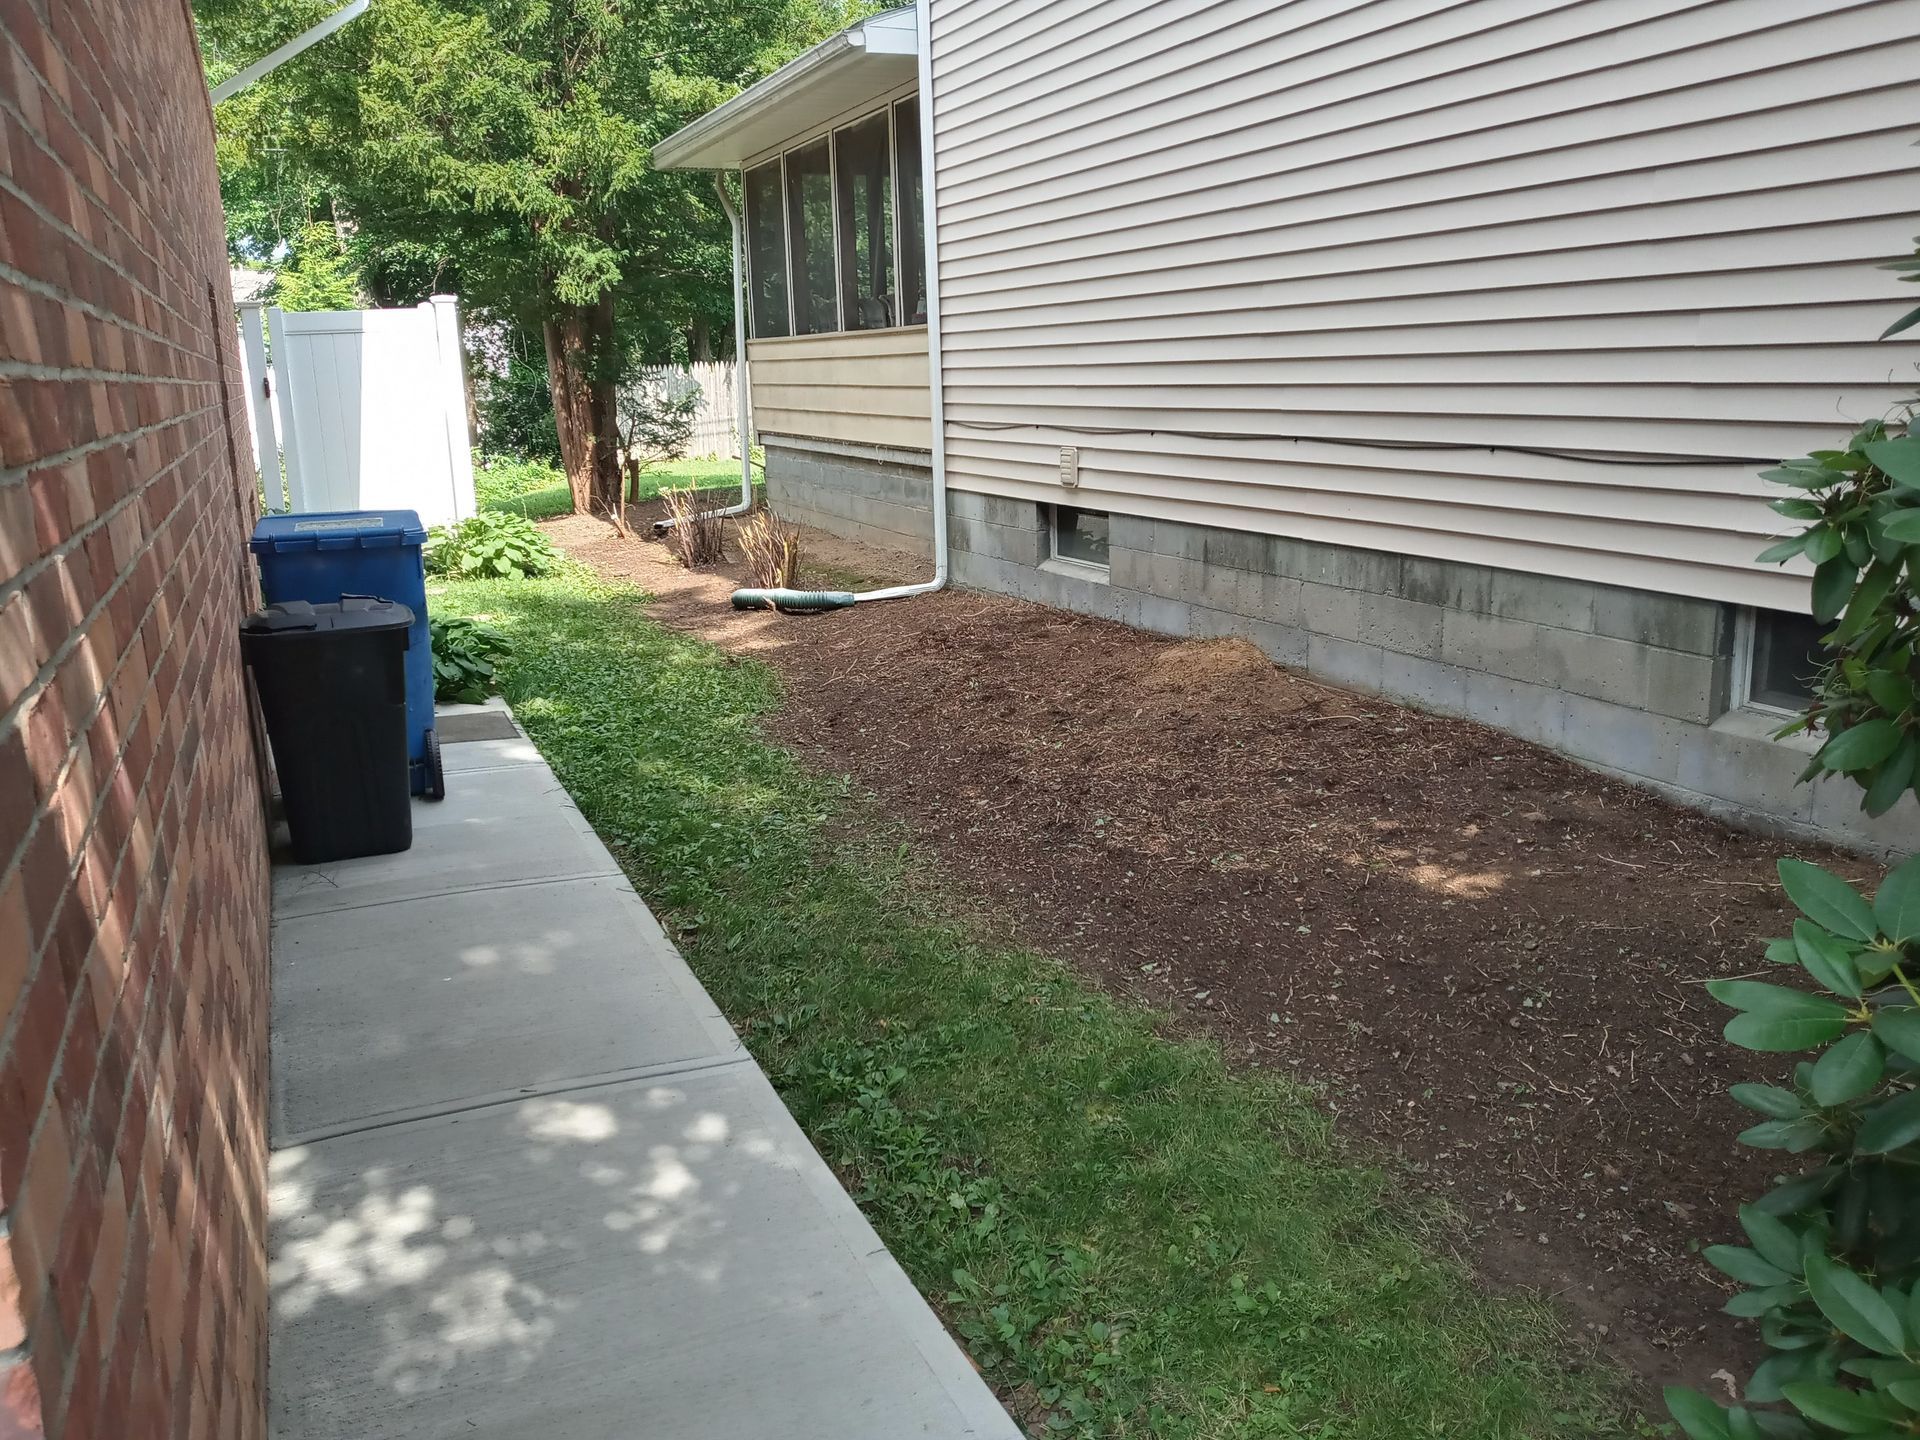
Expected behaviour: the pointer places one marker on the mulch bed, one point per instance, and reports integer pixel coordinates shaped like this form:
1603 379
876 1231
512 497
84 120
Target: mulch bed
1487 960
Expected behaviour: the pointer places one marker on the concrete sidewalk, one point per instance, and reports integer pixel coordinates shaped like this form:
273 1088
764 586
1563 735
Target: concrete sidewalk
527 1182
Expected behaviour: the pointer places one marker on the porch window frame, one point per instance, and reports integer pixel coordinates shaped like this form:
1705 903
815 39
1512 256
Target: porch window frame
830 132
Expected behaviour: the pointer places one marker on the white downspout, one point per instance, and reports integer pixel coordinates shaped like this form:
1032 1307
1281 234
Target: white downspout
805 600
744 411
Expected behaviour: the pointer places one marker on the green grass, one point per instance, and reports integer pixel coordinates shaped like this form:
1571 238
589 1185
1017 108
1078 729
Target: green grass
539 491
1131 1240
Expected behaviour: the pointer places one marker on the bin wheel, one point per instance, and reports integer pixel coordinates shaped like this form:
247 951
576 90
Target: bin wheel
436 777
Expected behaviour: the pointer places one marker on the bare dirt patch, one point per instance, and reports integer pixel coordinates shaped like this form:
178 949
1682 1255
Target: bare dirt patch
1488 960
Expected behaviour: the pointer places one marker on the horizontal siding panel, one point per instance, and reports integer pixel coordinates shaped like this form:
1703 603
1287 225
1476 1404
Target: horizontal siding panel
1346 467
1237 367
906 340
1204 242
1578 519
1668 131
1837 322
1495 63
1853 175
1762 437
1681 570
857 387
1780 299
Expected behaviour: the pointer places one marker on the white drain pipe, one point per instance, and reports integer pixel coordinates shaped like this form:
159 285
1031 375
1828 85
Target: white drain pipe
815 600
744 411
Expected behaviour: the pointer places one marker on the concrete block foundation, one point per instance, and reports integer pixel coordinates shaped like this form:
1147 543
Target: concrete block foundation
1630 682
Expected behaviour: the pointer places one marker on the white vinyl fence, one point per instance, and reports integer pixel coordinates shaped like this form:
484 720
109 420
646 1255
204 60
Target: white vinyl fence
368 408
715 424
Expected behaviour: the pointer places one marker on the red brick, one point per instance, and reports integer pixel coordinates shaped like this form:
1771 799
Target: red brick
133 898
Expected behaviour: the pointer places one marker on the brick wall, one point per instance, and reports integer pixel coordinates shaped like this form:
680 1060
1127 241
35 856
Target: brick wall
133 887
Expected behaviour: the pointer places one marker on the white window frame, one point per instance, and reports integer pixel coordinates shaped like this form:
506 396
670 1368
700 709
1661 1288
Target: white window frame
1067 564
1746 635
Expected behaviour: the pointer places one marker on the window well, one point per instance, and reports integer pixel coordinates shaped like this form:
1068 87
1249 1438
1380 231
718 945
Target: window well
1786 658
1080 535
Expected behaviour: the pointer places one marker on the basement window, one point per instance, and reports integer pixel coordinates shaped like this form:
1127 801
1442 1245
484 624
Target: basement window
1783 656
1080 536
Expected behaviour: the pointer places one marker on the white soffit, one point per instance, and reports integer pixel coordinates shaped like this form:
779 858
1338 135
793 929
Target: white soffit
841 73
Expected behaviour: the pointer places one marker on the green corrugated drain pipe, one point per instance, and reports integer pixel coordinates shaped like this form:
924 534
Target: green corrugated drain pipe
794 602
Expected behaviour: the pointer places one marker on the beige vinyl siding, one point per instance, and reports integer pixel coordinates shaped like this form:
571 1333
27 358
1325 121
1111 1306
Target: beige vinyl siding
1246 235
866 387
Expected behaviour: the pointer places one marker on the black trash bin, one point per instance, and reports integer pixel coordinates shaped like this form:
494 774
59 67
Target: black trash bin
332 681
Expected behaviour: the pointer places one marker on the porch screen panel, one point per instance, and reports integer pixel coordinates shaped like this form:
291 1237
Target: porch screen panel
913 242
816 300
766 251
865 195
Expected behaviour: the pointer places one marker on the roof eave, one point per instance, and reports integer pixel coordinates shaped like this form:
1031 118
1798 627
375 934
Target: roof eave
713 141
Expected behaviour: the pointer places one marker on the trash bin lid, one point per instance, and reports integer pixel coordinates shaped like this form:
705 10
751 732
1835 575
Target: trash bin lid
337 530
351 612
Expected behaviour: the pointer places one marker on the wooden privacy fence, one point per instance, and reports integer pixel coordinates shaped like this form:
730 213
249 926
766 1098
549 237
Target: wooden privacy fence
714 426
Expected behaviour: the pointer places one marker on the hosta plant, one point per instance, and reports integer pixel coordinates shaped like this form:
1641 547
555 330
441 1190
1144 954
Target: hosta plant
493 545
464 653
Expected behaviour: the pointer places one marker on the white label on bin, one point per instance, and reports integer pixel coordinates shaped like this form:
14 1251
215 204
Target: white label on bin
358 522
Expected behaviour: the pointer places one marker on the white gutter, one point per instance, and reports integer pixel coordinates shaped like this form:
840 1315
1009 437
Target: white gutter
274 59
804 600
744 414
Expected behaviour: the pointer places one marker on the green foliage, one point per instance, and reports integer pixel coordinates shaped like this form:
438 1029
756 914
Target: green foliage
498 148
1862 505
1832 1270
464 654
532 488
515 405
1130 1238
318 274
492 543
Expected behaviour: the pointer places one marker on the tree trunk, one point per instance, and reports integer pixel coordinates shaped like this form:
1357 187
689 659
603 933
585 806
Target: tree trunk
579 372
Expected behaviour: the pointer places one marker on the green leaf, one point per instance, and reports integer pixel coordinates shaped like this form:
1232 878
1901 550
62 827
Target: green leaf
1856 1309
1832 584
1795 507
1793 1136
1768 1100
1772 1239
1896 905
1751 1304
1890 1126
1902 526
1900 459
1862 746
1767 999
1823 545
1746 1266
1849 1070
1792 1196
1867 599
1851 1412
1892 692
1893 777
1906 321
1899 1029
1827 900
1781 551
1696 1414
1826 959
1763 1386
1782 1034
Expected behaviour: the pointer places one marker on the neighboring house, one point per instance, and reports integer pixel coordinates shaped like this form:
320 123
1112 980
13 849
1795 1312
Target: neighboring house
1432 346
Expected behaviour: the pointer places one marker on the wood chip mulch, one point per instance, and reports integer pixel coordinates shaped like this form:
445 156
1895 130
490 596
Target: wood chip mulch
1488 960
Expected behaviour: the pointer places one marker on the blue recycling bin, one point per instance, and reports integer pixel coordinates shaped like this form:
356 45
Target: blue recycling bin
321 557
